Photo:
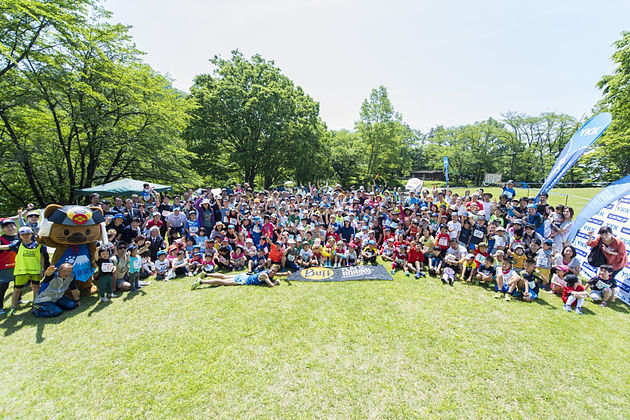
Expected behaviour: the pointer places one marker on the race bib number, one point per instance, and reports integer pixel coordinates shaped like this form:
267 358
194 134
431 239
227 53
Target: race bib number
233 221
479 258
107 267
290 257
193 229
137 264
165 213
478 234
442 242
600 285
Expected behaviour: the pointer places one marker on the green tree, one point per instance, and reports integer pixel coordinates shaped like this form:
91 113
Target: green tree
387 141
86 110
613 152
251 121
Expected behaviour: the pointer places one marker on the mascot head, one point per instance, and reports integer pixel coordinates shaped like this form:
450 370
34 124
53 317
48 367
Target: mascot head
74 225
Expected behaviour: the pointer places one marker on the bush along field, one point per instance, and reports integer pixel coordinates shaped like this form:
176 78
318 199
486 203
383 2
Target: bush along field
346 349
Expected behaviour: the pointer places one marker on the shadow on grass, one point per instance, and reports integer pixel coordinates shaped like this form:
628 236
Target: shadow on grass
27 319
132 295
618 306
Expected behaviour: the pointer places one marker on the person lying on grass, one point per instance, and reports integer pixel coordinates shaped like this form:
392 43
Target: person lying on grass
243 279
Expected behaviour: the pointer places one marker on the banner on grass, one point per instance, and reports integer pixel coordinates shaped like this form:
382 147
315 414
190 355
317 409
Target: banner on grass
446 169
576 147
617 216
358 272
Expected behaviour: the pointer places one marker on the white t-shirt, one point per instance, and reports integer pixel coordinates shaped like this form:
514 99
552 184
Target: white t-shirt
454 228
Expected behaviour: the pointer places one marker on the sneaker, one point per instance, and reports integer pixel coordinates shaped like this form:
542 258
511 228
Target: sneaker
23 302
407 273
578 311
507 297
603 304
443 281
417 275
113 295
11 312
422 274
195 284
450 281
393 272
105 300
497 295
144 283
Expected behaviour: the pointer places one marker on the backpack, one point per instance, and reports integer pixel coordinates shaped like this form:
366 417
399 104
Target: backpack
596 257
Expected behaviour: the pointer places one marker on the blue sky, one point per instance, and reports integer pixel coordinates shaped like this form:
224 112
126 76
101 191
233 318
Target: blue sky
443 62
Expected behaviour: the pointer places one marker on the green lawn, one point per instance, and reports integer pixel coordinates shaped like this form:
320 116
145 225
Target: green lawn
356 349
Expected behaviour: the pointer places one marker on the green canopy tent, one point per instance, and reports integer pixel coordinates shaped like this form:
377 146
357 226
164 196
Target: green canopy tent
123 187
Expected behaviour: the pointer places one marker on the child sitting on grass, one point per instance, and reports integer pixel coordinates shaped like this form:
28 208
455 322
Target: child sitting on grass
340 254
238 258
370 253
505 276
400 260
558 274
195 262
573 294
486 272
305 256
415 259
162 266
180 266
531 279
602 286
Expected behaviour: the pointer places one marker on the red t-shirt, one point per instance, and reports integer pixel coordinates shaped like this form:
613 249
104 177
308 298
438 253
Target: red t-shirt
415 256
442 240
567 292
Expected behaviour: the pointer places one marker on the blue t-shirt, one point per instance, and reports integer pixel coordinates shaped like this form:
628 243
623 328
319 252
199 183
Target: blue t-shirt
509 192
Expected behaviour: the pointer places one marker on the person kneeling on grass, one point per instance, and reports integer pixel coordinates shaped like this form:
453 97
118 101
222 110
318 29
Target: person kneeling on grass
243 279
573 294
50 300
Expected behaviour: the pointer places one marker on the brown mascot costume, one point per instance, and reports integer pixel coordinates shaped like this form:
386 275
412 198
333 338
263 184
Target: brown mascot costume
73 231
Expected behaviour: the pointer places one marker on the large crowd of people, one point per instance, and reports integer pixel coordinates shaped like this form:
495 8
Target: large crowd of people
517 246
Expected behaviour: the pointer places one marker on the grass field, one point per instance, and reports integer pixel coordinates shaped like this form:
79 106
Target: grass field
407 348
